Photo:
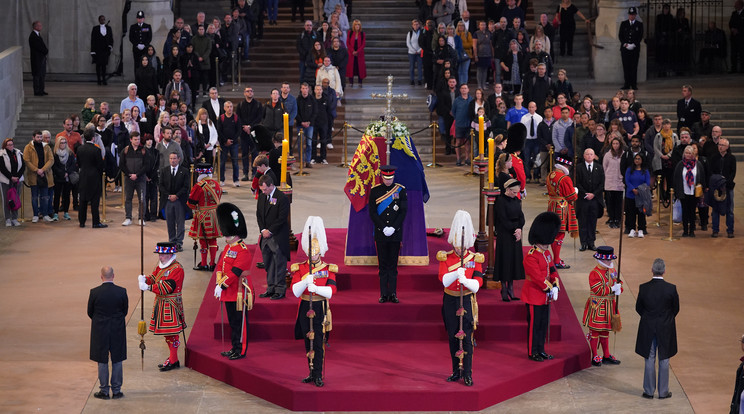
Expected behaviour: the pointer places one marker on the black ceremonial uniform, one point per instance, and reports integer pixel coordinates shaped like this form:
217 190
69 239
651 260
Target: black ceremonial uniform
139 35
387 208
630 34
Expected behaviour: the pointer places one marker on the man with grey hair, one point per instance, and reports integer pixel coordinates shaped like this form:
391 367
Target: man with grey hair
132 100
108 306
658 305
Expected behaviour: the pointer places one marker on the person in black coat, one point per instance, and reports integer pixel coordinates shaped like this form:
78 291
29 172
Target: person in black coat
101 45
108 306
658 305
146 78
140 35
39 54
272 213
688 109
174 191
630 36
510 220
590 182
89 187
739 385
388 205
251 112
445 98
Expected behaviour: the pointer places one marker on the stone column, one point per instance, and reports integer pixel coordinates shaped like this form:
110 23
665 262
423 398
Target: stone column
608 66
158 14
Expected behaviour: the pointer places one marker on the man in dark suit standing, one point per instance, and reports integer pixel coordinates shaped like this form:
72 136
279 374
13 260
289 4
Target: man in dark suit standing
630 36
272 213
101 45
215 105
91 165
140 35
658 305
108 306
388 205
445 98
689 109
39 53
590 182
174 190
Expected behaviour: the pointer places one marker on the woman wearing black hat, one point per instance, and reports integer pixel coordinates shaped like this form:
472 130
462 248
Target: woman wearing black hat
509 223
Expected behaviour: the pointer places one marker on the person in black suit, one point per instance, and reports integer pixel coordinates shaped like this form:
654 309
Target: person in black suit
101 45
91 170
174 190
39 53
444 107
590 182
658 305
630 36
388 205
140 35
215 105
108 306
272 213
689 109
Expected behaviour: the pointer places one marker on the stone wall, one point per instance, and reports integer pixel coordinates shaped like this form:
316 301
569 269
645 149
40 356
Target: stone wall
11 83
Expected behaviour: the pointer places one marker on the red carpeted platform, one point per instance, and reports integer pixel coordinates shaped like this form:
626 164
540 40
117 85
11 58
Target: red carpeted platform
385 357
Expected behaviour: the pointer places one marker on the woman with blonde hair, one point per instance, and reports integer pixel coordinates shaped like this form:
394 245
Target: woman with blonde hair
163 121
541 36
89 109
355 44
467 45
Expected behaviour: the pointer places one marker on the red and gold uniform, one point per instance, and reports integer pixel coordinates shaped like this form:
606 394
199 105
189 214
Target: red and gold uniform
449 261
237 290
314 314
599 308
518 166
167 313
540 277
204 198
562 196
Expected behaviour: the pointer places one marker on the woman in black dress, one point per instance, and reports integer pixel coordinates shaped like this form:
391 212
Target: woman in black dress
509 223
565 13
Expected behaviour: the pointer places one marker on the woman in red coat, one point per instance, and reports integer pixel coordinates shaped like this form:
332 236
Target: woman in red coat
355 45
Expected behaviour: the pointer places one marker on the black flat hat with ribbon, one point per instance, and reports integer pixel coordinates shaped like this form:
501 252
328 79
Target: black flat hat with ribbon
605 253
231 221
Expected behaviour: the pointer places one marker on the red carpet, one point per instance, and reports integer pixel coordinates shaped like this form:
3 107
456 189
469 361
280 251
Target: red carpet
398 351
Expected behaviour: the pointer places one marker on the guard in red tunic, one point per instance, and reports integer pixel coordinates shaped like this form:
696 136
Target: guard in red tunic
204 197
460 271
314 282
541 284
600 306
562 196
234 286
166 282
516 136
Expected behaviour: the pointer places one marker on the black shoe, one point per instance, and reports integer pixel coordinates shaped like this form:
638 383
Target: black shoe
245 178
179 248
44 93
119 394
235 355
536 358
505 297
714 234
583 247
266 294
730 235
685 234
650 397
212 266
100 226
393 298
277 296
101 395
169 366
201 267
592 247
562 265
318 382
413 83
260 265
704 227
82 225
468 381
596 362
223 353
307 379
454 377
382 299
611 360
545 355
669 395
692 234
420 83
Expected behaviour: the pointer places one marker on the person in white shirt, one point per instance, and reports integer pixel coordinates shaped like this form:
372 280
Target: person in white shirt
330 72
531 120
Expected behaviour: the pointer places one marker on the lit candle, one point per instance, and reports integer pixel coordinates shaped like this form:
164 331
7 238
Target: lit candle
286 125
481 136
491 153
285 155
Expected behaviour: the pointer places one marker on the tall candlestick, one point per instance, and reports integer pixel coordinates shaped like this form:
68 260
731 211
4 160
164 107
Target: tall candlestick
491 153
481 135
285 155
286 125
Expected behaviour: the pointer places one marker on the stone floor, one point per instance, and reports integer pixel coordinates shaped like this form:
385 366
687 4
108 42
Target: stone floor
48 269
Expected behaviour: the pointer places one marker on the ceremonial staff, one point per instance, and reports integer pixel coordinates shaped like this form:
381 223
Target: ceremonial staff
141 327
615 321
461 309
311 312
